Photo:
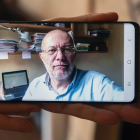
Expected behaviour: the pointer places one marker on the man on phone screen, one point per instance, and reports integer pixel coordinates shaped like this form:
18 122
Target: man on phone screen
63 81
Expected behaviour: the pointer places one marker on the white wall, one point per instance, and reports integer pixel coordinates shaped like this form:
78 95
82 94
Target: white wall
109 63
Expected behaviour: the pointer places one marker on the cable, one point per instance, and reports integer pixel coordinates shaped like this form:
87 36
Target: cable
12 29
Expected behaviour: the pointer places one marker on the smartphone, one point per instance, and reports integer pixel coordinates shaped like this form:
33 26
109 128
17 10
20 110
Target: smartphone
73 62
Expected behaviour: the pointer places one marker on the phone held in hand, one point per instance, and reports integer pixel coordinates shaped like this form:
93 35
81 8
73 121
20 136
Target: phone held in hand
72 62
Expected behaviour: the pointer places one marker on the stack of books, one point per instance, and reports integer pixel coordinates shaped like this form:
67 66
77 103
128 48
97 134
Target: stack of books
37 41
35 45
103 33
8 45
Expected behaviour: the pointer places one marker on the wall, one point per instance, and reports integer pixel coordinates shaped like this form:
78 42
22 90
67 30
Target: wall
109 63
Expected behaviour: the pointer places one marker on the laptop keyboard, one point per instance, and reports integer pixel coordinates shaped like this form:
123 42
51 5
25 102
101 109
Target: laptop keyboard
16 90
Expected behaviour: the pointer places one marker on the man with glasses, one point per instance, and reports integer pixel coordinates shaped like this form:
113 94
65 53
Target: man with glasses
63 81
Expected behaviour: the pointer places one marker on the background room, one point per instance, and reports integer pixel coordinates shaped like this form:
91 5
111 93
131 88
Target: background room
105 62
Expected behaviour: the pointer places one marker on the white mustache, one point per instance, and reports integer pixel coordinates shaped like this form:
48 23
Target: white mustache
58 64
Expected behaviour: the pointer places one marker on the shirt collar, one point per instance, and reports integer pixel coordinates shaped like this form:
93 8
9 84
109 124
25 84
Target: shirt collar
74 78
47 78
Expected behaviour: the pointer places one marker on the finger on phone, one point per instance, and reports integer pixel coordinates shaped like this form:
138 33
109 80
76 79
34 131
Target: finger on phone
17 108
111 16
129 113
83 111
15 124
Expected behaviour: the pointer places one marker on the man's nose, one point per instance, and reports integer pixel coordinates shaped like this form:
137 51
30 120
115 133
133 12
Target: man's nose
59 55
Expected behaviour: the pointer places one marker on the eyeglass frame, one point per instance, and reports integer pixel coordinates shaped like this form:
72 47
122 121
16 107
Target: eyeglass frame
46 51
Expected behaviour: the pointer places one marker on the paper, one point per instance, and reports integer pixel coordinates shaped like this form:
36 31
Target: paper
26 55
1 92
3 55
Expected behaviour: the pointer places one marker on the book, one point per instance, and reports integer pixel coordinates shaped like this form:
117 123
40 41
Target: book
100 33
8 41
37 41
8 45
82 46
42 34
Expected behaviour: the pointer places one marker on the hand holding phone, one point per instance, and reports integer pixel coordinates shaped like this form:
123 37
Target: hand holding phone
13 123
102 113
25 109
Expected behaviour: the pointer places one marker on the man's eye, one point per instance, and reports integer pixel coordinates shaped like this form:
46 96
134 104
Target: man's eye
67 49
52 50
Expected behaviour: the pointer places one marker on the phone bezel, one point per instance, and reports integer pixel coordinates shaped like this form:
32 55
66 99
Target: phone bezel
136 96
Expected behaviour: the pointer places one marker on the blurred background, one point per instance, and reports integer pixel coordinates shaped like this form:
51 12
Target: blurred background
128 10
51 126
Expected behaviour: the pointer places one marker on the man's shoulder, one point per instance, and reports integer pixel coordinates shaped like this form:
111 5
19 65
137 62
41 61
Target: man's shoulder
90 73
38 79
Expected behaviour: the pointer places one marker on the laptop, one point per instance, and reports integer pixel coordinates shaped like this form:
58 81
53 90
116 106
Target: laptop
15 84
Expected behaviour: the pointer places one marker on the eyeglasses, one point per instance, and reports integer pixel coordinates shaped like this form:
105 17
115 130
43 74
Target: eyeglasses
66 50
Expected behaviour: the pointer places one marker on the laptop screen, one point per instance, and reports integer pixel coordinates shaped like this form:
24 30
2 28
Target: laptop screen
15 79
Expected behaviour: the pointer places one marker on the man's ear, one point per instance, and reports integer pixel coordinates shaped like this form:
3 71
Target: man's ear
41 55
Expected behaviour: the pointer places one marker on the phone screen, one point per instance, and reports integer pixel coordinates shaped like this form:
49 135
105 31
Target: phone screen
69 61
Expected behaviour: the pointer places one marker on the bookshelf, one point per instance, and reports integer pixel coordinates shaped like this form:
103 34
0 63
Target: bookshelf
82 35
88 39
33 52
34 28
80 32
19 53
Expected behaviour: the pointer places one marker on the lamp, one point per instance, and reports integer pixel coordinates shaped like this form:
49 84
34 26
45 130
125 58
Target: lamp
24 36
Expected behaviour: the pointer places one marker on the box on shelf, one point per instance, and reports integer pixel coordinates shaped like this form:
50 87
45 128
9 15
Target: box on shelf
82 47
98 46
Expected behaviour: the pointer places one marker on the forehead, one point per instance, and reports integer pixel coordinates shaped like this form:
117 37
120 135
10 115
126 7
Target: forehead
56 38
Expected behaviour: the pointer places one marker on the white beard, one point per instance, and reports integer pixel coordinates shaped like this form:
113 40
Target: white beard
59 76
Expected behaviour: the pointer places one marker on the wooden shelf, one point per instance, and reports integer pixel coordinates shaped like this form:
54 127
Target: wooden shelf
34 28
33 52
44 29
77 52
88 39
86 36
91 51
89 36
